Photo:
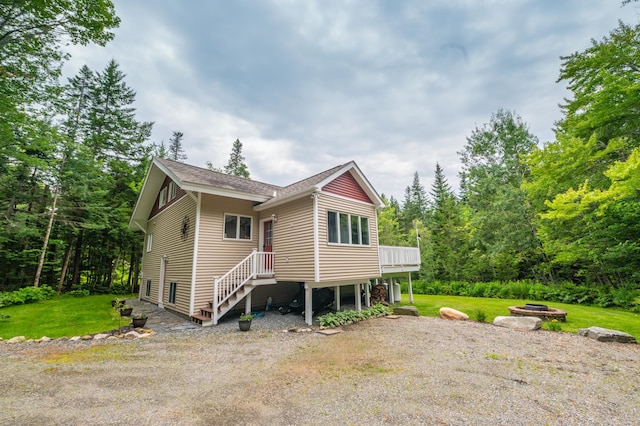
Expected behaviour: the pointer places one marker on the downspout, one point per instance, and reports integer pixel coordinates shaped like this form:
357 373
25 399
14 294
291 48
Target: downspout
194 263
316 239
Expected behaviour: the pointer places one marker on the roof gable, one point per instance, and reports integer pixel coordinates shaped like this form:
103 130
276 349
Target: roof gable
346 185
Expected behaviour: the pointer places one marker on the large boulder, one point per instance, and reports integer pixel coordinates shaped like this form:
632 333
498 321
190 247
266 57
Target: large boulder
452 314
605 335
406 310
518 323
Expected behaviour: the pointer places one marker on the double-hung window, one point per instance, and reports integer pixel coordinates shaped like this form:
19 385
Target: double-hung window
162 199
147 290
344 228
173 190
237 227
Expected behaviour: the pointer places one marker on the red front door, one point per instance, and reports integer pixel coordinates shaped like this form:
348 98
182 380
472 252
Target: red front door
268 243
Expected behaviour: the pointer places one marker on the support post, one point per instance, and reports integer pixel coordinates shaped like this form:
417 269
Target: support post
308 304
215 301
247 303
410 288
336 297
356 289
390 291
367 292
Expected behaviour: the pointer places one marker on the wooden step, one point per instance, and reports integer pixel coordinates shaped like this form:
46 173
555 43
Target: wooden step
199 319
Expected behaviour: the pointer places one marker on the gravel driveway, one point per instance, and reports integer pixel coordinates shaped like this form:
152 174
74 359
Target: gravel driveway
382 371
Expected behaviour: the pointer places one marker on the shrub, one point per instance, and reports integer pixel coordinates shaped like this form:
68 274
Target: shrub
26 295
335 319
480 315
79 293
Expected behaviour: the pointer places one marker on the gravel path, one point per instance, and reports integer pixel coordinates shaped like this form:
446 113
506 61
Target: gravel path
381 371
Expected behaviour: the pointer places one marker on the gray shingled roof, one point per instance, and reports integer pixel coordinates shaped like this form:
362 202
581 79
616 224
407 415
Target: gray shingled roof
202 176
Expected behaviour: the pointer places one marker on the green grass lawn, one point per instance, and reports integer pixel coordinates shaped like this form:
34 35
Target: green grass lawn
61 316
578 316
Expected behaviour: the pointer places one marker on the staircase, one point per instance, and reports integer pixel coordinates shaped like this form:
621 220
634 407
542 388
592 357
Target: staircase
236 285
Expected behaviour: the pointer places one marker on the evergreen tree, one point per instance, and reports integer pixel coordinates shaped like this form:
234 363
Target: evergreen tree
446 231
176 152
236 165
415 204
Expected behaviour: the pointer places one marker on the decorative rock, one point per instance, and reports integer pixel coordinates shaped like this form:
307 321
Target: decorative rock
100 336
44 339
132 335
112 338
74 338
605 335
452 314
406 310
17 339
87 337
518 323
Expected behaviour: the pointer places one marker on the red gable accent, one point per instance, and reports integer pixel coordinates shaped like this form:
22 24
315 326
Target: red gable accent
165 184
346 186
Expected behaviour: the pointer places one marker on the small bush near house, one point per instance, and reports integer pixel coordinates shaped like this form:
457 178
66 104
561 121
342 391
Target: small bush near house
335 319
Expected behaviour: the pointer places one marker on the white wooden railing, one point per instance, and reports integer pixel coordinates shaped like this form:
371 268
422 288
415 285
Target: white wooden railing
398 256
258 263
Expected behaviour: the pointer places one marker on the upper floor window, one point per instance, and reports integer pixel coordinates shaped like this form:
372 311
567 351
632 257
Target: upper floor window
173 189
149 242
237 227
162 199
343 228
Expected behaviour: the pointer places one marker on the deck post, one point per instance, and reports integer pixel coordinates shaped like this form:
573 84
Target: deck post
336 297
367 292
391 295
308 304
410 288
356 290
247 303
215 300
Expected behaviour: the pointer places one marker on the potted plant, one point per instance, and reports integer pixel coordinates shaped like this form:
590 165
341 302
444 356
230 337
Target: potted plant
125 310
245 322
139 320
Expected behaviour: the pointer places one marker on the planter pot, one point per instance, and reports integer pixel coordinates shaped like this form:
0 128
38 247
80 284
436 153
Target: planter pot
244 325
138 322
126 312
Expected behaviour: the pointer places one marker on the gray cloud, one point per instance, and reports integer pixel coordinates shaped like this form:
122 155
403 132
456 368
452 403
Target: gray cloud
394 85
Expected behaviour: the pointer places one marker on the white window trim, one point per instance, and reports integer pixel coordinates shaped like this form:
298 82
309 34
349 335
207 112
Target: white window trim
349 216
149 242
162 199
173 190
237 238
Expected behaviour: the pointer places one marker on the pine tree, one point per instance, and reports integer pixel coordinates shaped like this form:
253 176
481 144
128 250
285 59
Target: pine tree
236 165
176 152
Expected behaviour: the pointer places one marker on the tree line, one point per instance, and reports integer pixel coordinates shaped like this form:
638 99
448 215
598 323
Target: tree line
568 210
73 156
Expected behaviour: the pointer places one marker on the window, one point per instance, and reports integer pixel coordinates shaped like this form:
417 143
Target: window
149 242
162 199
343 228
172 292
147 290
237 227
173 189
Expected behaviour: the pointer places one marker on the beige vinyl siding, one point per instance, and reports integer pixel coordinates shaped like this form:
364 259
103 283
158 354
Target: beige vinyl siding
166 228
293 240
346 262
216 256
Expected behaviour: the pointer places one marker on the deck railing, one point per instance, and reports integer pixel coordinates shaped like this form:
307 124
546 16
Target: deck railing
398 256
258 263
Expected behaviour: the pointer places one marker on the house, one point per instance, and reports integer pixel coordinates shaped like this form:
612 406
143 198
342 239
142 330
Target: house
213 240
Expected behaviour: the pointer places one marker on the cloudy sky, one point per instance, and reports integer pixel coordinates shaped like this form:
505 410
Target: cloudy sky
396 85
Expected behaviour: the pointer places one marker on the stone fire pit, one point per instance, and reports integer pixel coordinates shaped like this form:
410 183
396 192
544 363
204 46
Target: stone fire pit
543 312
